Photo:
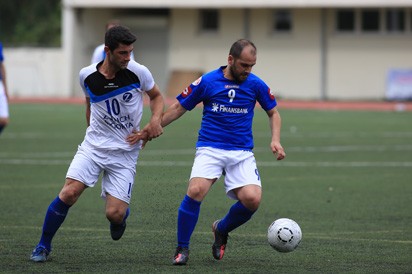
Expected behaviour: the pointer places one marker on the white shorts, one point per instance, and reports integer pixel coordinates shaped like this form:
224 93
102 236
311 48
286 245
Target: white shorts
118 167
238 166
4 106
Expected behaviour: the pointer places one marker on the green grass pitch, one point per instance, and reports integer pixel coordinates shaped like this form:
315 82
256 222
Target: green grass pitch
347 181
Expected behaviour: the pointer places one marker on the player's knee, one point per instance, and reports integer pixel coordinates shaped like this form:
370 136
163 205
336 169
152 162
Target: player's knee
196 192
4 121
199 187
114 215
250 196
69 196
251 202
71 192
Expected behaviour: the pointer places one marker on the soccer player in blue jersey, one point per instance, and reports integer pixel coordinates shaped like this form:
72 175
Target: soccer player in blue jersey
224 147
4 104
114 90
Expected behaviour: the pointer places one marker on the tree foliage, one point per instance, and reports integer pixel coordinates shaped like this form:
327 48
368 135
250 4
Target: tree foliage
30 23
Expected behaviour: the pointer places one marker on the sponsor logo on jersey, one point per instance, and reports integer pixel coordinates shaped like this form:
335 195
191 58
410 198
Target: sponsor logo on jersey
197 82
271 94
121 122
231 86
111 85
222 108
127 96
186 92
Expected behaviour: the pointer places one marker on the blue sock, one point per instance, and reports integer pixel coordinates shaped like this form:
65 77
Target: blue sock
238 215
127 214
1 128
187 217
55 215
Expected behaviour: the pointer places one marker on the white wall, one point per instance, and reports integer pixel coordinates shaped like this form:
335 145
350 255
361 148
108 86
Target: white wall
36 72
357 68
289 63
192 50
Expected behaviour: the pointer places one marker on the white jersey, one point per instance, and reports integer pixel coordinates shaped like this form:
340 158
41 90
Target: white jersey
116 105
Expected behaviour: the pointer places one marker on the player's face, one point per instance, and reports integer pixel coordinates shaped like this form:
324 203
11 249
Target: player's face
120 57
241 67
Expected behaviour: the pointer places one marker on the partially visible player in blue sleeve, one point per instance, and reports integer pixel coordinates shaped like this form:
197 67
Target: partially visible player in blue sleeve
224 147
4 104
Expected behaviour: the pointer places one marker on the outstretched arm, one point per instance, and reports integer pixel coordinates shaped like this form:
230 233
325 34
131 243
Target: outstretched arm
275 124
172 113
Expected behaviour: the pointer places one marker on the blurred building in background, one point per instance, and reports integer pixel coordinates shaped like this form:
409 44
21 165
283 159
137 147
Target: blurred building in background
307 49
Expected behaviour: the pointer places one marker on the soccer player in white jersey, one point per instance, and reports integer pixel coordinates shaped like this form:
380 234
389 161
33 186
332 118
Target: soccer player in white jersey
224 147
4 105
114 90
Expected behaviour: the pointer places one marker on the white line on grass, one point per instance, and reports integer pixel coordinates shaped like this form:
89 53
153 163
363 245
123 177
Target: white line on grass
295 133
348 148
353 238
155 152
274 163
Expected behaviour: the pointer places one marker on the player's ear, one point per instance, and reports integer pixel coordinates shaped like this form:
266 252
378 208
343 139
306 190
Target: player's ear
230 60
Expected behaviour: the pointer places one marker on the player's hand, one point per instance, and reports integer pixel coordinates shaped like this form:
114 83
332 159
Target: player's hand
153 130
136 136
278 150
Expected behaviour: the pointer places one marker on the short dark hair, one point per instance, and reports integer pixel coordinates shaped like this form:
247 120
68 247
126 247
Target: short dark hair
238 46
118 35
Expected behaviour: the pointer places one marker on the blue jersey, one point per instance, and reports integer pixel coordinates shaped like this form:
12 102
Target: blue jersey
1 55
228 108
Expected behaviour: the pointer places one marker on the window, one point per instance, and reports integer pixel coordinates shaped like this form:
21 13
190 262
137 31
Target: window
209 20
395 20
282 21
373 20
370 20
345 20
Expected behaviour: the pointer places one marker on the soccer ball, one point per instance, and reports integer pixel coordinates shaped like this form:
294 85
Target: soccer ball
284 235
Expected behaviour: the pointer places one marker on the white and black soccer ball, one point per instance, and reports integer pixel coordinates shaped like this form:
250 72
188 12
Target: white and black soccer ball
284 235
